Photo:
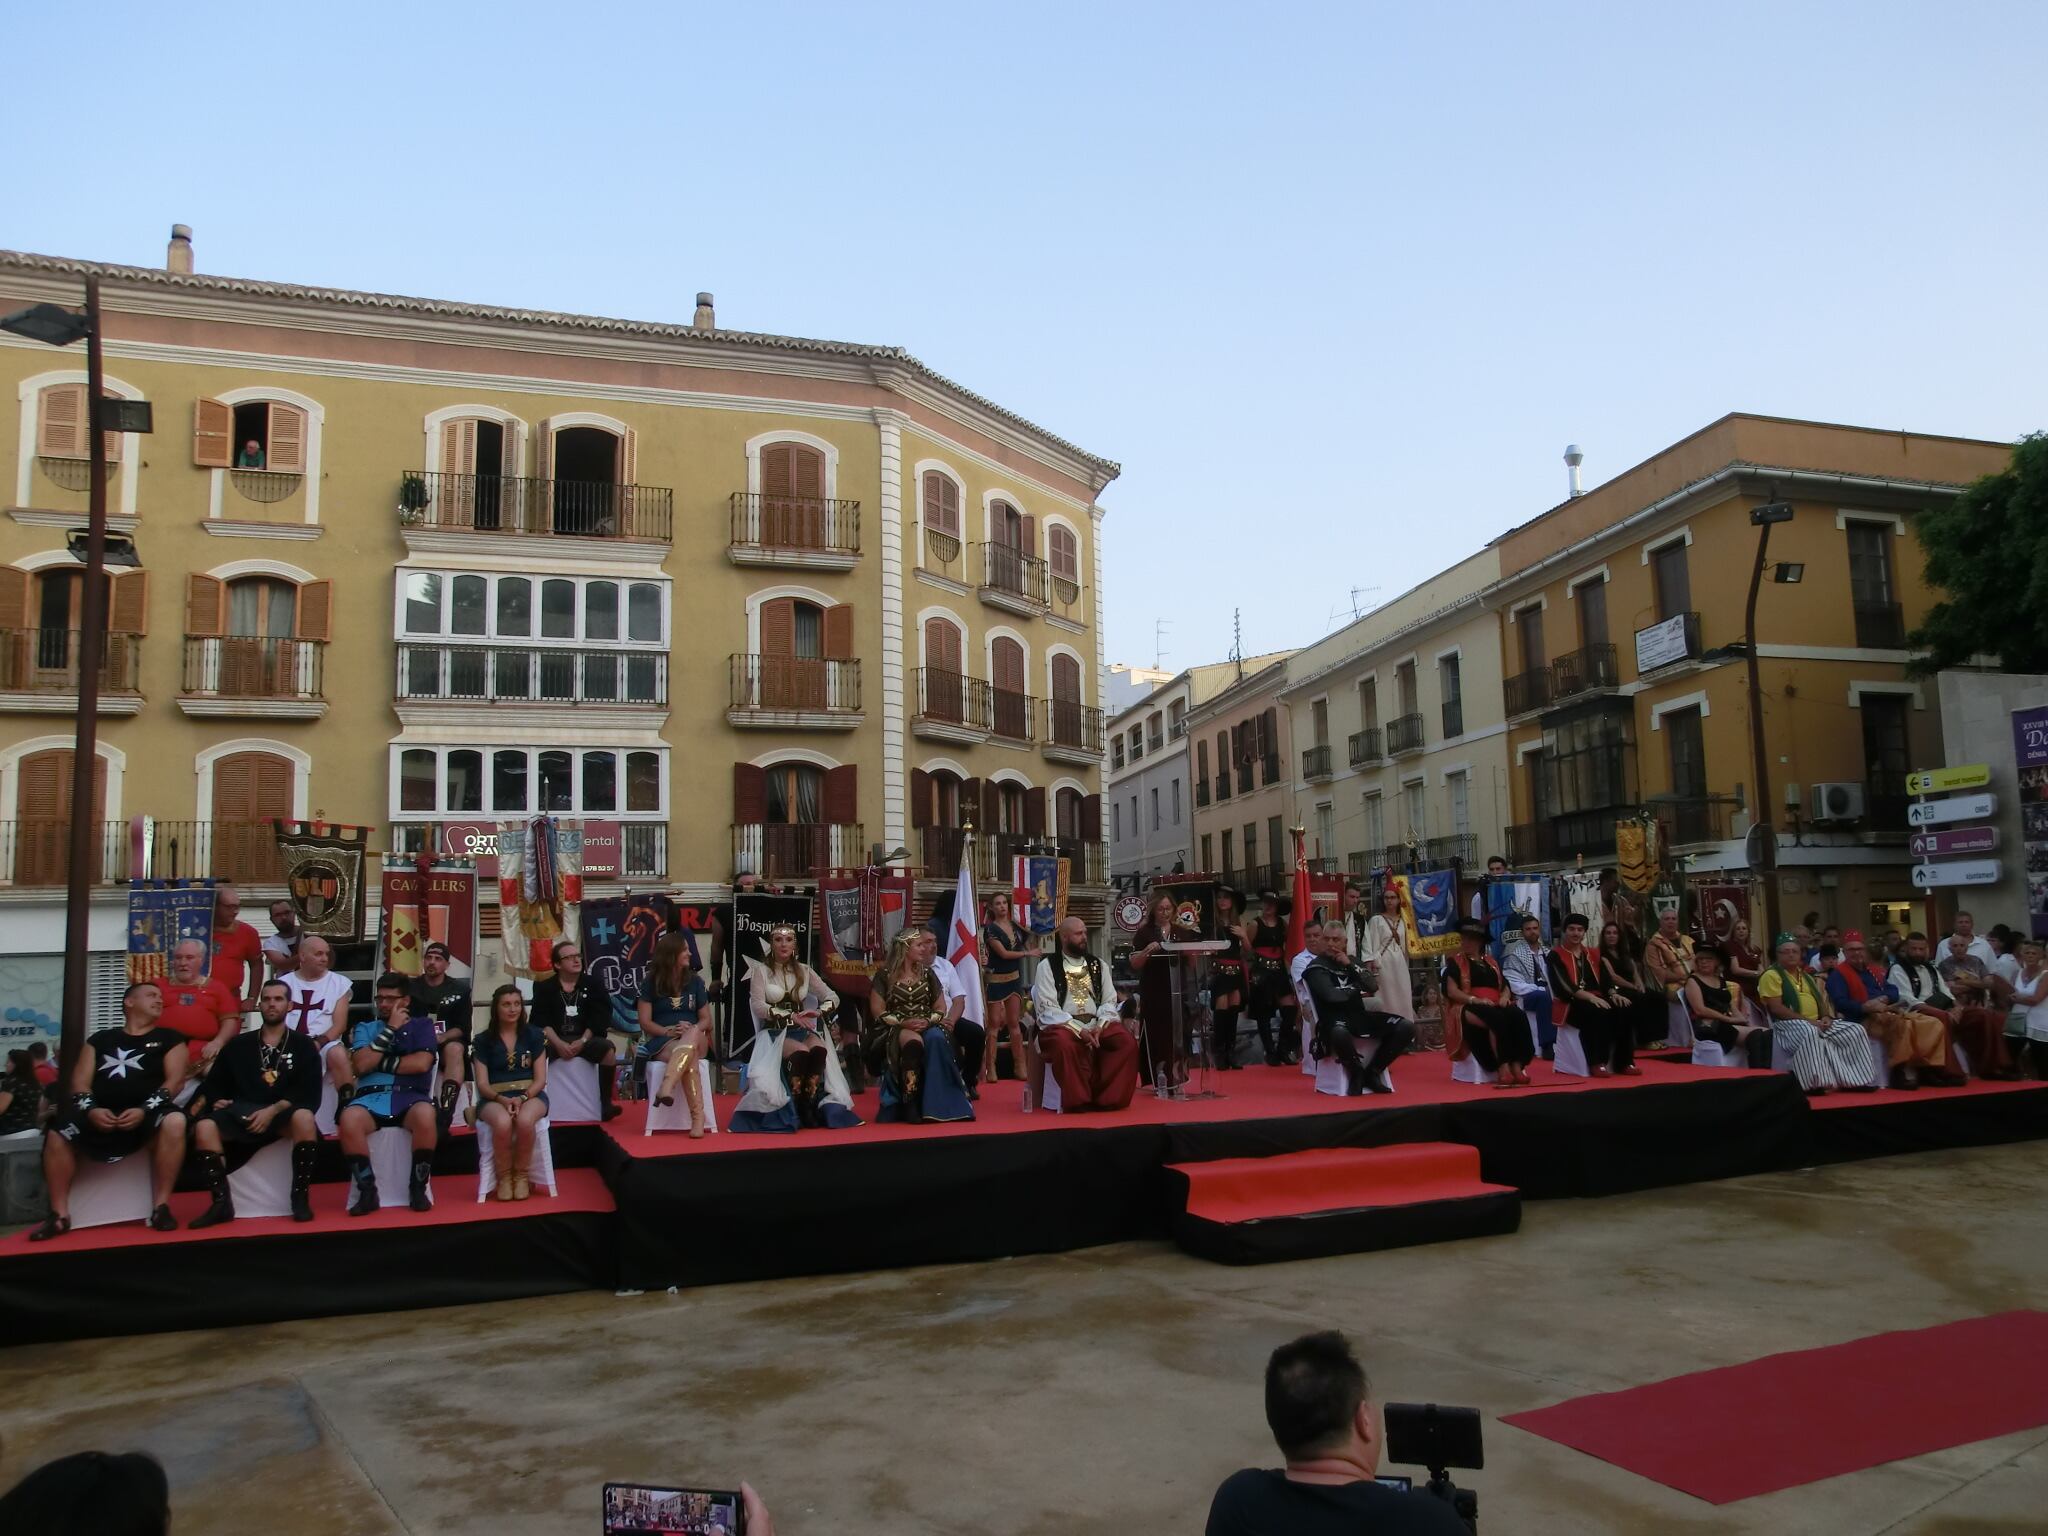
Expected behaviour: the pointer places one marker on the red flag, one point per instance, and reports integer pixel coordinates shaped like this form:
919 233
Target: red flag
1297 920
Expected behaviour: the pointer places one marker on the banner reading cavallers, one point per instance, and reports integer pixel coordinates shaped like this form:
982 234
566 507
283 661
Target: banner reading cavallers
422 908
161 914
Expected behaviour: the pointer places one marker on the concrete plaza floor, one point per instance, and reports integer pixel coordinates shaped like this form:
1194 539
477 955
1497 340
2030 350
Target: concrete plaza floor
1101 1393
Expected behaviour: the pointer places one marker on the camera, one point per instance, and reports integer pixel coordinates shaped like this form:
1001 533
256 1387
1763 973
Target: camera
1439 1438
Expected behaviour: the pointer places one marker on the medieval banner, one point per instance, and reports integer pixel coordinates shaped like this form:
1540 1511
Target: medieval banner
162 914
1430 904
862 910
323 876
421 907
540 888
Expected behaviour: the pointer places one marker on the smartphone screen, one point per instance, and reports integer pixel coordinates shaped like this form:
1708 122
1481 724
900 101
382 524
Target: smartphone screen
1390 1480
635 1509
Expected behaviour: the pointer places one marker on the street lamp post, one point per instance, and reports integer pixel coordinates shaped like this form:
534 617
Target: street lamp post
61 327
1760 765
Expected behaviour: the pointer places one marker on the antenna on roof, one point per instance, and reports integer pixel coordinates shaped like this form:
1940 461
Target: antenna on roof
1237 640
1158 643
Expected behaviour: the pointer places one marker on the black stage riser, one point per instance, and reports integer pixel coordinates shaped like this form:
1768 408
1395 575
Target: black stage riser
229 1281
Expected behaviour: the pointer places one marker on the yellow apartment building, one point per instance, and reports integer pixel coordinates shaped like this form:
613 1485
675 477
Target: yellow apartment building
1240 741
1400 743
1621 617
760 602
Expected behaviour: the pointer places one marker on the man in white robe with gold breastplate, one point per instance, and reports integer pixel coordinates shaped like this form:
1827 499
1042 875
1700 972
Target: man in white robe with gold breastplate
1092 1056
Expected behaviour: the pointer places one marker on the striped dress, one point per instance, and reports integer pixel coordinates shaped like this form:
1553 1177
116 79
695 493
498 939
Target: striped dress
1824 1053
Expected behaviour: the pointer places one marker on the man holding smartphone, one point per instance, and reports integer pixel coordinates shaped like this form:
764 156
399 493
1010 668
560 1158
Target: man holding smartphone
1328 1428
393 1058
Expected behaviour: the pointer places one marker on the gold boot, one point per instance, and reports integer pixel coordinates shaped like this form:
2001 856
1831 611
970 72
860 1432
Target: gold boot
676 1063
693 1092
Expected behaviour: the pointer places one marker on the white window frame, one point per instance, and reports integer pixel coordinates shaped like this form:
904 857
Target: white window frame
664 588
487 749
790 435
316 424
30 393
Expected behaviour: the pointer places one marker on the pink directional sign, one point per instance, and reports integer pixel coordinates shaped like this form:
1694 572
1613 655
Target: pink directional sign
1934 845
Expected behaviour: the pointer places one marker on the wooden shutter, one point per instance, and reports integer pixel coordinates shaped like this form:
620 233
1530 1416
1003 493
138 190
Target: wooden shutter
941 504
841 799
60 433
316 611
629 458
205 606
1029 538
286 452
458 448
775 469
1034 813
1008 657
508 450
991 807
941 646
807 472
920 798
1060 553
213 431
234 786
778 627
128 604
43 786
749 794
839 632
14 584
1066 679
1091 818
544 450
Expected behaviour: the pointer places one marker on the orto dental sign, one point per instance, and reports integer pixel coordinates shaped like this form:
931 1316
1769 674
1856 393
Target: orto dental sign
602 847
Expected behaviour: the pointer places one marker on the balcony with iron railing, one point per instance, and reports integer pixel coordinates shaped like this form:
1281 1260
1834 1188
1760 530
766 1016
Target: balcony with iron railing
1587 670
796 851
1404 734
1087 862
781 691
1365 746
1201 792
805 532
643 845
1010 715
1244 777
1073 733
951 706
37 851
1394 857
1531 843
254 675
1668 642
1460 850
39 671
515 504
1692 820
1527 692
524 674
1315 763
1223 784
1011 579
1175 729
1880 626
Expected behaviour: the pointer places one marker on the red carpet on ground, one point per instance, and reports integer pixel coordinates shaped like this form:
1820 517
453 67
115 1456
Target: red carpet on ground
1796 1418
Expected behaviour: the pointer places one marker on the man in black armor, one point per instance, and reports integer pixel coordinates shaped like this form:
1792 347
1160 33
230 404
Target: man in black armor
264 1084
1339 990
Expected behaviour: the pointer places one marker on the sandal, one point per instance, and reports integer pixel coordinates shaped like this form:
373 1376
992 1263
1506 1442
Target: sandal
53 1226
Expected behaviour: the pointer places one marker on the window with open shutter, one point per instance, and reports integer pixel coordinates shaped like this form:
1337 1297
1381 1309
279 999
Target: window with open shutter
17 641
839 632
842 795
213 430
205 606
128 604
316 610
1012 707
285 452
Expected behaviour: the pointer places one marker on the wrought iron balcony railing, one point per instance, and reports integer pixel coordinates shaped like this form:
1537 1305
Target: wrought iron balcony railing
1404 734
1365 746
588 509
806 524
523 674
808 683
47 661
254 667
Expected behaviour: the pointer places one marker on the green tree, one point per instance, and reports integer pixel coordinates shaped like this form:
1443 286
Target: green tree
1987 551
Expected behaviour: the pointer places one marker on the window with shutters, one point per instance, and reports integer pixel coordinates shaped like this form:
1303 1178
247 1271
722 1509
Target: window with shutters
1672 576
939 511
35 846
486 781
1010 808
589 466
791 510
805 661
250 790
1116 750
42 624
60 437
255 637
1070 815
1011 704
262 443
1063 558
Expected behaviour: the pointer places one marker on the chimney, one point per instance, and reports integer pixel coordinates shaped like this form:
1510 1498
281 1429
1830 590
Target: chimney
706 319
179 257
1574 456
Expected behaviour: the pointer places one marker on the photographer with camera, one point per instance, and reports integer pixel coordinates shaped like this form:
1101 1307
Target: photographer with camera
1329 1431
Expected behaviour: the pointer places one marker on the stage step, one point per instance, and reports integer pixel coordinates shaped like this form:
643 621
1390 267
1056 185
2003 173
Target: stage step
1301 1205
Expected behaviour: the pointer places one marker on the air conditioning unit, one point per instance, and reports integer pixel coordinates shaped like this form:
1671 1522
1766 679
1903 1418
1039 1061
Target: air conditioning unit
1837 802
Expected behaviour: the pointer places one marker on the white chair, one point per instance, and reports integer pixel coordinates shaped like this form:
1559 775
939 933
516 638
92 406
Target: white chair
1781 1058
1048 1090
1568 1059
391 1163
103 1194
543 1170
1678 1029
676 1116
1880 1061
1707 1054
1962 1061
1308 1060
572 1092
1469 1071
1331 1078
263 1185
323 1117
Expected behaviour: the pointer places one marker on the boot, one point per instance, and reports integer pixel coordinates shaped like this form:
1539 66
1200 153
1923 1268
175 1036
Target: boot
366 1186
1273 1057
814 1084
803 1090
422 1175
215 1167
693 1091
161 1220
522 1183
1226 1039
607 1091
303 1155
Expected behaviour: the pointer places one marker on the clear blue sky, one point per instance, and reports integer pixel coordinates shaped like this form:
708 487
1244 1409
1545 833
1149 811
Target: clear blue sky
1336 285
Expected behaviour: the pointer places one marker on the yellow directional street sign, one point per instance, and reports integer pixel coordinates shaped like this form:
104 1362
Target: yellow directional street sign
1932 781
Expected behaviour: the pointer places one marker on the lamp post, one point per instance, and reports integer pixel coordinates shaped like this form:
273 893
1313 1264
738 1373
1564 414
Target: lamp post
1760 766
61 327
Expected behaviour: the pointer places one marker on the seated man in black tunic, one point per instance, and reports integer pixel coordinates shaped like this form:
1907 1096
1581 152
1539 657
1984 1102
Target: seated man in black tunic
122 1090
1338 989
263 1085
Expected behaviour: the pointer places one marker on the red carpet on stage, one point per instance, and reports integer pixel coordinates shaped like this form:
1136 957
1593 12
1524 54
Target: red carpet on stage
1796 1418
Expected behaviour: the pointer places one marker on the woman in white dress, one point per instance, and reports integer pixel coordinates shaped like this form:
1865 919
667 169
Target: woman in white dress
794 1080
1386 947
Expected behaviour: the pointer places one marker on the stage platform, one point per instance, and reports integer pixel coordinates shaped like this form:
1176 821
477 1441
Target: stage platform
645 1212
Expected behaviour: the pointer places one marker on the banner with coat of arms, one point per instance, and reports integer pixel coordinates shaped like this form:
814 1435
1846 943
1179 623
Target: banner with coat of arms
1039 899
1430 904
323 876
161 915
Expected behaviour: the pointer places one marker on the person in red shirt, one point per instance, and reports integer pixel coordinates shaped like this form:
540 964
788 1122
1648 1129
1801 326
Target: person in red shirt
237 952
206 1013
46 1069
